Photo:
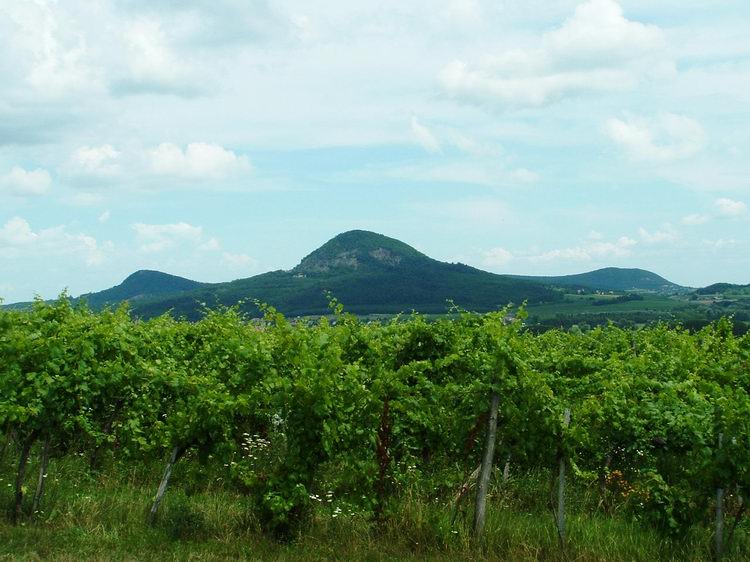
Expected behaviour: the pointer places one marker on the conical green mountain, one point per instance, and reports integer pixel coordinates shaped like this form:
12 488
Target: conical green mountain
369 273
361 251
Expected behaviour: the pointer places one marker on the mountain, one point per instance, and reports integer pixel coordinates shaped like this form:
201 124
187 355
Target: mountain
361 251
368 272
722 288
144 284
611 279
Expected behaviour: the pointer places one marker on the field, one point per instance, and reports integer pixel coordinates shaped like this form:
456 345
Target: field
102 517
631 309
608 304
341 439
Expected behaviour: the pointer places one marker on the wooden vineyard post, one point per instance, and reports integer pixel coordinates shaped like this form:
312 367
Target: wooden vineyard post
384 457
561 486
42 478
462 492
176 452
603 481
486 468
719 532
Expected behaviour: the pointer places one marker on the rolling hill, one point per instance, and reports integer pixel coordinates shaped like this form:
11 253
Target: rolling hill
369 273
142 285
724 288
611 279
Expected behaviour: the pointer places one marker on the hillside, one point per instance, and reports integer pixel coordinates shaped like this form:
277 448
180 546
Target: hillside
143 284
611 279
371 274
368 272
724 288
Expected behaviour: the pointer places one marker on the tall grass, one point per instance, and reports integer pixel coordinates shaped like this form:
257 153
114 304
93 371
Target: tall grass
101 516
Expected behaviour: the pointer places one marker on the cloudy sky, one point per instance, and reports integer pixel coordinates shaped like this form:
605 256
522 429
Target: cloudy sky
217 139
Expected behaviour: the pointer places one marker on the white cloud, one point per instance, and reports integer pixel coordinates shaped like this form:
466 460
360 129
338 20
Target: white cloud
497 257
18 239
477 212
434 141
50 48
104 217
577 254
597 50
153 66
524 176
666 235
16 232
175 48
98 161
466 13
695 219
424 136
92 166
182 245
722 243
303 28
25 183
198 160
86 199
599 34
482 211
723 208
483 172
730 208
239 261
211 245
665 138
160 237
216 23
475 148
592 250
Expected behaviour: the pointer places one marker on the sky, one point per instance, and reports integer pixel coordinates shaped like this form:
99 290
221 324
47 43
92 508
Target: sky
219 139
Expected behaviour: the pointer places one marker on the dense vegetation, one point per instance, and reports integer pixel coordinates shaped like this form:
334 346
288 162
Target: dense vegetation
141 285
355 418
610 279
379 276
727 289
372 273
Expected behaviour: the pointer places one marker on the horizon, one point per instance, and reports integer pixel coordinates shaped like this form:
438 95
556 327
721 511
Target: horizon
220 140
167 273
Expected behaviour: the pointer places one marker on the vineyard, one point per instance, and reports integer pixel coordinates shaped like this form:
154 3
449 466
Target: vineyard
346 417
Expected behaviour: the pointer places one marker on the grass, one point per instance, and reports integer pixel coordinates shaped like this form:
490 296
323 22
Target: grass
103 518
584 304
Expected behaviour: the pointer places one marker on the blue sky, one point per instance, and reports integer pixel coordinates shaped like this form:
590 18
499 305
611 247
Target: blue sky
220 139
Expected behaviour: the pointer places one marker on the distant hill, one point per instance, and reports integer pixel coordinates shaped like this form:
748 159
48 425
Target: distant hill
610 279
370 274
139 286
720 288
144 284
367 272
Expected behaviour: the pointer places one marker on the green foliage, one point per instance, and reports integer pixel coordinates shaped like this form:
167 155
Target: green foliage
293 414
611 279
370 272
